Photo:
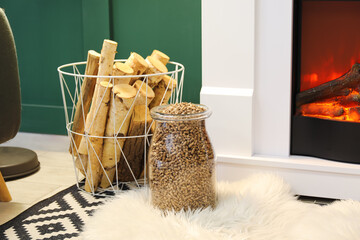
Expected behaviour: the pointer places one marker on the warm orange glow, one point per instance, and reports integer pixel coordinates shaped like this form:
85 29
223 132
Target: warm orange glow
345 108
323 75
330 46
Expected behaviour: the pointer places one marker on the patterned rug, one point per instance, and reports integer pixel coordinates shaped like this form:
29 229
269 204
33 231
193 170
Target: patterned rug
61 216
64 215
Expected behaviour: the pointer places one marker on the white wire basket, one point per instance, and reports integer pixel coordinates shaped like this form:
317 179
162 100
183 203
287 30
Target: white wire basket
71 79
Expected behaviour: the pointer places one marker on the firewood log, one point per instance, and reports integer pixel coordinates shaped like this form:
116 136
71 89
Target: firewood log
95 127
84 99
95 121
141 99
134 147
155 66
107 58
162 57
146 94
119 116
332 88
163 91
138 64
81 163
106 61
122 69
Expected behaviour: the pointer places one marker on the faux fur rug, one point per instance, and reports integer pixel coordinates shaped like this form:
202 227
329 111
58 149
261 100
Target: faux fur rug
260 207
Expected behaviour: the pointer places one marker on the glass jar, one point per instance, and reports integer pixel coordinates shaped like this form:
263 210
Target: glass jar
181 161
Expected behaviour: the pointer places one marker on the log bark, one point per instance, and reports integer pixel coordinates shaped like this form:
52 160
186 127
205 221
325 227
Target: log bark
107 58
162 57
144 96
91 145
163 91
155 66
106 62
95 127
117 126
332 88
84 99
134 147
138 64
122 69
81 163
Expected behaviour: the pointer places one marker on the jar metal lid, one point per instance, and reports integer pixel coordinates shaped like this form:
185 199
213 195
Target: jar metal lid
157 114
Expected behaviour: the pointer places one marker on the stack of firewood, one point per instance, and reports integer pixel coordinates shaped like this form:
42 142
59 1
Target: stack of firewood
111 112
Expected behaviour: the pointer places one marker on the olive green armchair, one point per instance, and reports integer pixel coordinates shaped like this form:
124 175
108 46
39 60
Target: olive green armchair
15 162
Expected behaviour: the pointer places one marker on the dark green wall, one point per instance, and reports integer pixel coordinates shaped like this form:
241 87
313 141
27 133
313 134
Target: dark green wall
171 26
49 33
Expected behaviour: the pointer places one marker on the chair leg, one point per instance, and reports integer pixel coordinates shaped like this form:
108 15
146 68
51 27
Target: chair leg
4 192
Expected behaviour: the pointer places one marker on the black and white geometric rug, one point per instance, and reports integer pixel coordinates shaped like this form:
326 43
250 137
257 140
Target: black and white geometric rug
58 217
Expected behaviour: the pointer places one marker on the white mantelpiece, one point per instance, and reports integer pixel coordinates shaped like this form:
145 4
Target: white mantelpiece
246 72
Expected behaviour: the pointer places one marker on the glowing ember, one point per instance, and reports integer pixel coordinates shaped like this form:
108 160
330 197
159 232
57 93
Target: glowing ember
344 108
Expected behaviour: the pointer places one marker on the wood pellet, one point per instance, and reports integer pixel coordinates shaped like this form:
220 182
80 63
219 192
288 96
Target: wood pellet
181 159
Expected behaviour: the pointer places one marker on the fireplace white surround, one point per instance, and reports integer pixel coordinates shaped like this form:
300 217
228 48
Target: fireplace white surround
246 72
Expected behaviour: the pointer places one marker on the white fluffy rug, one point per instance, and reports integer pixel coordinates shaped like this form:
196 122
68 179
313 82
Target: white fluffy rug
260 207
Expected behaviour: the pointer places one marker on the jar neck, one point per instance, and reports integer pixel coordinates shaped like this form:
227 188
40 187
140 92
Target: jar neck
157 113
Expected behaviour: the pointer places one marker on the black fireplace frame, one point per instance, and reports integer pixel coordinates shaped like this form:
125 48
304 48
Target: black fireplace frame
328 139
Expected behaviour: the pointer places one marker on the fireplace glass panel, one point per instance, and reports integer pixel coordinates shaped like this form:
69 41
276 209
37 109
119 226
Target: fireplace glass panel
326 80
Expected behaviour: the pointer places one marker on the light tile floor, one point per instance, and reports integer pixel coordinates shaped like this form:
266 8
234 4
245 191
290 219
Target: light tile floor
56 173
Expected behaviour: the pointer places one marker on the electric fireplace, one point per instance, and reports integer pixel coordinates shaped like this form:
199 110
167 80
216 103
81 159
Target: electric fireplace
247 68
326 80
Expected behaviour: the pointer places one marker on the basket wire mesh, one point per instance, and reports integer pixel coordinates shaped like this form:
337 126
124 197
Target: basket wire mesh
71 78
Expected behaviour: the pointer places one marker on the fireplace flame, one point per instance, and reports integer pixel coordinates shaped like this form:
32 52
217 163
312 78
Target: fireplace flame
325 74
329 48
